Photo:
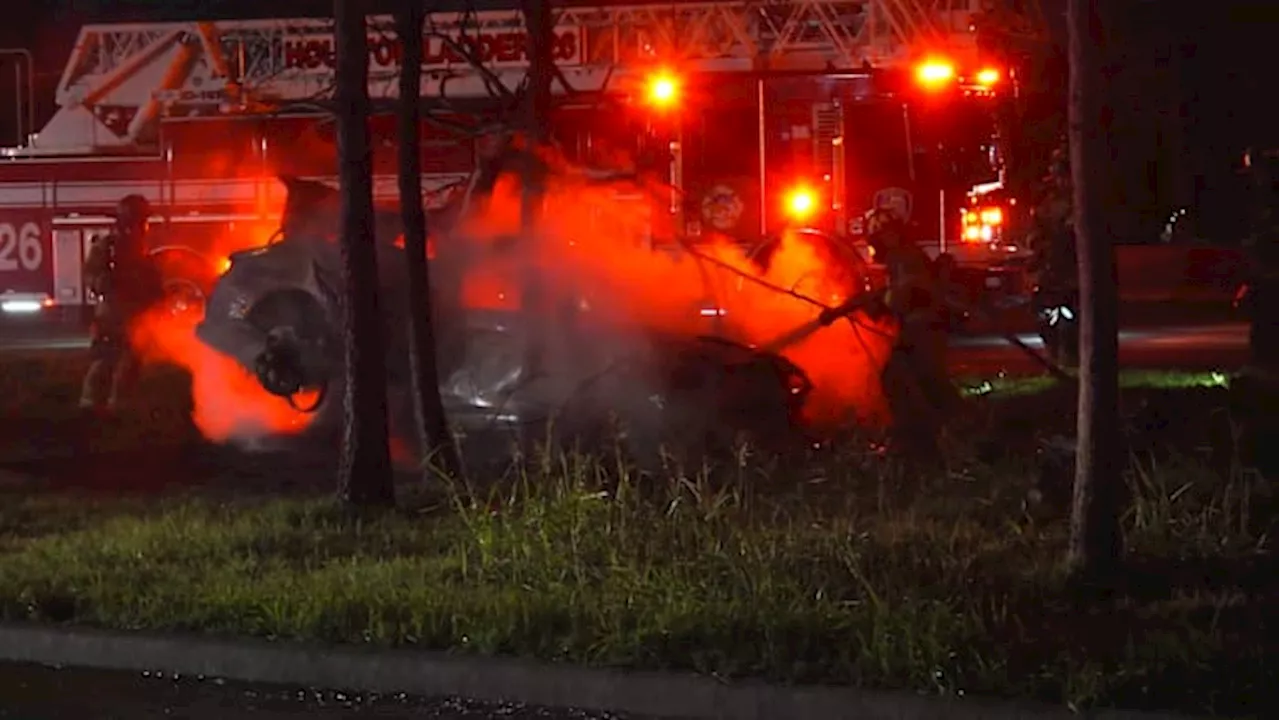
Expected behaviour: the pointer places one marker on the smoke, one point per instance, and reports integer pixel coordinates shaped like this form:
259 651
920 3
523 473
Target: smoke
591 249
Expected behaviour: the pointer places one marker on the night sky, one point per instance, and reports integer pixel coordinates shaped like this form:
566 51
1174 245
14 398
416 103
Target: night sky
1202 77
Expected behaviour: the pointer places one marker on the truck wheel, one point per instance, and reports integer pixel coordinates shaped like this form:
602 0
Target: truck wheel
728 206
184 299
187 279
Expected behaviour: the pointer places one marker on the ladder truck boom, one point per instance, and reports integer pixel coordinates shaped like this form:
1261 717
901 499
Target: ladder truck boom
121 79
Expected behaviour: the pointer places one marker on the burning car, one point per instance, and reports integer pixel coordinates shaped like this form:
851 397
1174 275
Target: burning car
277 312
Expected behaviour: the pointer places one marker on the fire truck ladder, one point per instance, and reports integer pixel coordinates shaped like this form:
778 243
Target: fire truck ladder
122 79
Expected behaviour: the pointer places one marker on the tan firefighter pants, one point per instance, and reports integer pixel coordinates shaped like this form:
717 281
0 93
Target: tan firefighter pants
113 368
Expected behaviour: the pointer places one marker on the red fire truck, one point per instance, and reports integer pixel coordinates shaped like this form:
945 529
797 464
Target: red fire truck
772 115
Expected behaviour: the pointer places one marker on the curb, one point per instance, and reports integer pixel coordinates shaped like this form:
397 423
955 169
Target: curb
434 674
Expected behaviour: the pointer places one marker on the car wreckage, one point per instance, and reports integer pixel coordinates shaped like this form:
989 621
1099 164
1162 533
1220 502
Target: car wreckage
277 310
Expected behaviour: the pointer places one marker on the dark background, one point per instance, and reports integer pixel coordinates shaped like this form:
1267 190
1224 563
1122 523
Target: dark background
1197 84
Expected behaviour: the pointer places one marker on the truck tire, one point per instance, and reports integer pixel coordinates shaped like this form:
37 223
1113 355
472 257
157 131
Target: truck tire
187 278
728 206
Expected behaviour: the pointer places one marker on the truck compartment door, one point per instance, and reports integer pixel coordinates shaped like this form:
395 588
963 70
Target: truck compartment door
68 267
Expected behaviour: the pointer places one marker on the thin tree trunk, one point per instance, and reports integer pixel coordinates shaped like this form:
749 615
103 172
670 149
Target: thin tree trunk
541 31
364 473
1258 386
537 129
1261 303
1096 543
434 439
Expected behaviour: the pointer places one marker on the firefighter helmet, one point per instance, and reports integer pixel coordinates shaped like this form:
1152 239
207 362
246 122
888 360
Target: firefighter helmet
133 210
1059 166
879 219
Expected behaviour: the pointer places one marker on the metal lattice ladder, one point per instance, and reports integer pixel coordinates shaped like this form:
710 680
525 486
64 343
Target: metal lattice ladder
121 78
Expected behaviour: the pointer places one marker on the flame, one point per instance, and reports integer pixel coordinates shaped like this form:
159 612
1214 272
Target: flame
227 402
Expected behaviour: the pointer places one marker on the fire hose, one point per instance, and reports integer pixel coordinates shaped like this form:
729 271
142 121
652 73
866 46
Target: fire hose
827 317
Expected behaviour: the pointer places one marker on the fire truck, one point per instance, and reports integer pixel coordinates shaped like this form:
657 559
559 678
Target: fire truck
766 115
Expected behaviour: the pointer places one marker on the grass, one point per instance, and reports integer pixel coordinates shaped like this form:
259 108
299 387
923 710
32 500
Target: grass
833 568
1129 379
849 575
40 417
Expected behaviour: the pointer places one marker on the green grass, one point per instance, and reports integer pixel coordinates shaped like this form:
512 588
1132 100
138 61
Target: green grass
40 415
837 567
1129 379
841 572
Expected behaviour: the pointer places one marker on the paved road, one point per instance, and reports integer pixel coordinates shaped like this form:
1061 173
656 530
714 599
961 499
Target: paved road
1222 345
32 692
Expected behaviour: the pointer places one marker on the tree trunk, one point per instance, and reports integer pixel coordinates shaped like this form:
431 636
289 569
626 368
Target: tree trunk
364 473
1258 386
435 442
538 24
537 130
1095 544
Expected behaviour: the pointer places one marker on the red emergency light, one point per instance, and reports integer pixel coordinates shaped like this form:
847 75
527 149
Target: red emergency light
987 77
935 73
801 203
663 90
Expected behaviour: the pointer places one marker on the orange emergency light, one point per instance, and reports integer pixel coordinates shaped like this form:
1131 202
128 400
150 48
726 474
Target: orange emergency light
981 224
987 77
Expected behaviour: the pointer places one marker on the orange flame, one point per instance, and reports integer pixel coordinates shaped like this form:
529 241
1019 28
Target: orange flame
228 402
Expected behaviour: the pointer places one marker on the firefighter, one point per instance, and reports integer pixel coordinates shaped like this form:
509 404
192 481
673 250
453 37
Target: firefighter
914 378
1054 246
119 270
